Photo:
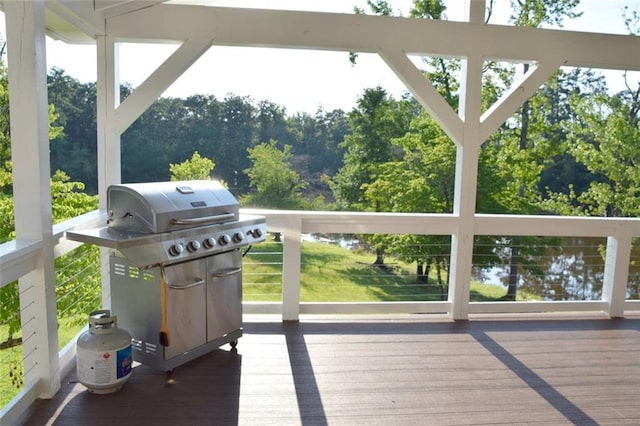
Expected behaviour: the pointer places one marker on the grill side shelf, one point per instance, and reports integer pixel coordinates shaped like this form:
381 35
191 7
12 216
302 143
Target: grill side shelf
108 237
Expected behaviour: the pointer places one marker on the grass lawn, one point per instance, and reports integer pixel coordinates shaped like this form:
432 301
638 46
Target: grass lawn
330 273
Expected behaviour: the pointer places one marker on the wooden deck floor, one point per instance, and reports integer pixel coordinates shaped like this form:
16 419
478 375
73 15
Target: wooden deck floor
401 370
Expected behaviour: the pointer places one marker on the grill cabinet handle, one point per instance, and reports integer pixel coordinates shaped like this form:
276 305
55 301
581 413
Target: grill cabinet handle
226 273
204 220
194 283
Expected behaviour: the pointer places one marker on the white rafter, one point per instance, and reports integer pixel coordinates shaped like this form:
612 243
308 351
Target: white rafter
424 92
145 94
513 98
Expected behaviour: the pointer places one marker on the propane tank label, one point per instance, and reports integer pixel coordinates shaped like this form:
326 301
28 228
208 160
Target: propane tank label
104 367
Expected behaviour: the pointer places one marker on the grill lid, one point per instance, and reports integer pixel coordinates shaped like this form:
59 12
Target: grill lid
157 207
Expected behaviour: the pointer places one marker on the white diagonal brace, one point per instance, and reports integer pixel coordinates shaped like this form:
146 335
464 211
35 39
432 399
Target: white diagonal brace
167 73
424 91
513 98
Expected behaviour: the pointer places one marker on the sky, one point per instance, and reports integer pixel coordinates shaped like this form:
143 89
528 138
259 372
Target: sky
301 81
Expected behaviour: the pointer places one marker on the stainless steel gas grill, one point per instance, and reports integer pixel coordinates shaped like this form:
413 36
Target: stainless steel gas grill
176 266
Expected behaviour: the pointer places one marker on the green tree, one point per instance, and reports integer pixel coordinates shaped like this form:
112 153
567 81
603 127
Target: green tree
605 139
420 180
274 183
195 168
375 121
75 105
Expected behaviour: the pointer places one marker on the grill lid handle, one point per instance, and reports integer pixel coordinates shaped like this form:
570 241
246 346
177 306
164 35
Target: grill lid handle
204 220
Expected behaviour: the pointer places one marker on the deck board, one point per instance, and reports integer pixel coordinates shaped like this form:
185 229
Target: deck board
382 370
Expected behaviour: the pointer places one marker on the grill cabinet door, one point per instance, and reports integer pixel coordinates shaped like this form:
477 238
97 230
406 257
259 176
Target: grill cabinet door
186 307
224 294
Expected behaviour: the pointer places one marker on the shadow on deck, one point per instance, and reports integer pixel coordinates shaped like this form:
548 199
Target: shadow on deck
406 370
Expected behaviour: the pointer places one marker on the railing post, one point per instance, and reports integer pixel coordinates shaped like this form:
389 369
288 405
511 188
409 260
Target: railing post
616 274
291 252
32 190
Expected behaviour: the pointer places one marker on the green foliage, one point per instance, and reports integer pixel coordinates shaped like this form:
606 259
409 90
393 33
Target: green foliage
5 141
195 168
75 107
275 183
377 119
172 129
534 13
68 199
605 139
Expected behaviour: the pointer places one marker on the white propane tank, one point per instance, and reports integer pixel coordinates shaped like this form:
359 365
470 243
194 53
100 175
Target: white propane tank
104 355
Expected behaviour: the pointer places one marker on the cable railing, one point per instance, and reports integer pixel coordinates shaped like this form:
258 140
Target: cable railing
544 269
78 290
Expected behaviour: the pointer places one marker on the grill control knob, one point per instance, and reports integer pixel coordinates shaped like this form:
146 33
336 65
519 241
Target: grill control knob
193 246
176 249
209 242
257 233
224 239
238 236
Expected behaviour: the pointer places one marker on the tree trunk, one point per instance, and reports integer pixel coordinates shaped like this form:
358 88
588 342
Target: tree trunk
420 277
513 272
440 283
379 257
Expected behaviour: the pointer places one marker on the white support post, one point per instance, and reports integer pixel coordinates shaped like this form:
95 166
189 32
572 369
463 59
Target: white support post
616 274
109 169
291 254
108 99
27 73
466 176
462 240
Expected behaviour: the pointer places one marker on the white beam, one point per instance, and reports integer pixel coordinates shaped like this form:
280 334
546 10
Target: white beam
79 14
424 92
167 73
513 98
466 180
364 33
27 73
119 7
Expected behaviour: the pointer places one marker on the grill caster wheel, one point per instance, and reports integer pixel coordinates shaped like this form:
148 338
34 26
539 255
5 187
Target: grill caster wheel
233 343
